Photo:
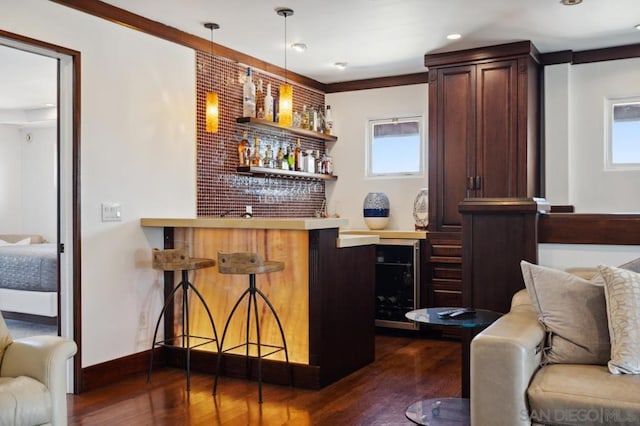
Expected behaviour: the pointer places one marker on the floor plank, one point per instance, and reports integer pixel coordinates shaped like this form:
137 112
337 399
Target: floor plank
406 369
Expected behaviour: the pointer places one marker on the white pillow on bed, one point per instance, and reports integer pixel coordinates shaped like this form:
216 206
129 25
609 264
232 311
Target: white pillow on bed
24 242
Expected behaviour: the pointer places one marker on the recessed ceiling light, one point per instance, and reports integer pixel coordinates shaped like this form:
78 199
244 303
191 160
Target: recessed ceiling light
637 27
570 2
340 65
454 36
300 47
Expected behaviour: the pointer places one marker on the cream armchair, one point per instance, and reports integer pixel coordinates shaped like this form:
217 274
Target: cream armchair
33 386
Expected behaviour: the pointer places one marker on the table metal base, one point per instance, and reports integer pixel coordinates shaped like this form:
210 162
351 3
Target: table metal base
440 412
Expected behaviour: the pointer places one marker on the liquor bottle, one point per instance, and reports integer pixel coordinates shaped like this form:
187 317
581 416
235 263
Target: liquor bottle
260 111
318 165
242 150
285 160
249 96
268 158
279 158
268 104
328 120
305 118
314 119
321 122
291 158
256 161
297 156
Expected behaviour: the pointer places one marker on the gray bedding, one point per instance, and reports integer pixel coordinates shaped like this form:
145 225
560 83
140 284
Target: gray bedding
29 267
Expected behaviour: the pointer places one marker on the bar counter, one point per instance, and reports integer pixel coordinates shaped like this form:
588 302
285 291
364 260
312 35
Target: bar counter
324 297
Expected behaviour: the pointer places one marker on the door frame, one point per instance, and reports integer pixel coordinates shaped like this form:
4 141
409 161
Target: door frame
68 163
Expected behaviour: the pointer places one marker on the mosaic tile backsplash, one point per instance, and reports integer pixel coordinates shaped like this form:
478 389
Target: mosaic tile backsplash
221 191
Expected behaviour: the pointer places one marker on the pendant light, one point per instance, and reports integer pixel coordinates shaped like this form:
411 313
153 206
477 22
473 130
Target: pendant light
285 106
212 112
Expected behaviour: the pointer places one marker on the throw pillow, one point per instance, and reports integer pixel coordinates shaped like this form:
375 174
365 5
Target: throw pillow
622 294
23 242
633 265
5 337
573 312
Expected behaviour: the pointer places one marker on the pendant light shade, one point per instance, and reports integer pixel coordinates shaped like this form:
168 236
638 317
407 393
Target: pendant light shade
212 112
285 105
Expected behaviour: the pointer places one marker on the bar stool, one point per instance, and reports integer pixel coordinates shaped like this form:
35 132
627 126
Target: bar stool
179 260
251 264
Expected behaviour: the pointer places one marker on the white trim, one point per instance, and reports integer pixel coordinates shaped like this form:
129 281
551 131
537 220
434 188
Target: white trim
609 104
419 118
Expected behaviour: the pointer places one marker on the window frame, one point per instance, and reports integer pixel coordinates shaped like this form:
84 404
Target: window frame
610 104
371 122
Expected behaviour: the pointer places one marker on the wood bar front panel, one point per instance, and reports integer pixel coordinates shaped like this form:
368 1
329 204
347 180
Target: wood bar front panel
288 290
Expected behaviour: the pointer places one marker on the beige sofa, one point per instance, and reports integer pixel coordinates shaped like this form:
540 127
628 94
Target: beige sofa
33 382
510 388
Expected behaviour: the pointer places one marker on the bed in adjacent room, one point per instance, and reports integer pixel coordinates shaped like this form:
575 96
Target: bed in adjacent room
28 275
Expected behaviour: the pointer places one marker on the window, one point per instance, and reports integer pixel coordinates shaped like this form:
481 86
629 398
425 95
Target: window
394 147
623 141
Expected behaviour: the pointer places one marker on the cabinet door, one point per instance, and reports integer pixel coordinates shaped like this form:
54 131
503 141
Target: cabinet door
452 133
497 129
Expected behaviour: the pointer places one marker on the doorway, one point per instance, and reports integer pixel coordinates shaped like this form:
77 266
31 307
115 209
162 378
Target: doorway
49 170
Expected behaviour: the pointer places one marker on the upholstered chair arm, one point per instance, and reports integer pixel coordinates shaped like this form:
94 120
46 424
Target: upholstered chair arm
504 358
44 359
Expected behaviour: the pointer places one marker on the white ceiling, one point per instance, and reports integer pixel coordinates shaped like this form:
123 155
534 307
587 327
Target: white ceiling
376 38
390 37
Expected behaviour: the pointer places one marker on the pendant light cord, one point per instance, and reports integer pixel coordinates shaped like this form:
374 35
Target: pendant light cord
285 48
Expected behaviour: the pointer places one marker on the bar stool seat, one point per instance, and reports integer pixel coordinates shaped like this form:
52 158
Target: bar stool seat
174 260
246 263
251 264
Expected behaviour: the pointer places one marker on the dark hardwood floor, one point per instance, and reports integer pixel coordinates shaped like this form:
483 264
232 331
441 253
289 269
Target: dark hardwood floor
406 369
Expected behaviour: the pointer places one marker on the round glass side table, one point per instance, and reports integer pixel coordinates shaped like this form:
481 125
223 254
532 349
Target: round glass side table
449 411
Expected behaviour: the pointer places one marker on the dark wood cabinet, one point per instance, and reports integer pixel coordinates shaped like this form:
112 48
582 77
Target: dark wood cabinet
483 142
483 128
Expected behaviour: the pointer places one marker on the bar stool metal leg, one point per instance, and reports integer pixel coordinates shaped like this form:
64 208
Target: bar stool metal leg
224 333
185 342
251 292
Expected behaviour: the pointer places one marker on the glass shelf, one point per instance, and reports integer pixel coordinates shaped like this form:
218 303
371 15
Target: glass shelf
293 130
265 171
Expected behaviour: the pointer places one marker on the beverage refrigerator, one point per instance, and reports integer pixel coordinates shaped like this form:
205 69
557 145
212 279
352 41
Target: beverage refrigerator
397 282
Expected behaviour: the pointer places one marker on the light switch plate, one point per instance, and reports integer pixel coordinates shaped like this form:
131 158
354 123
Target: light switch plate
111 212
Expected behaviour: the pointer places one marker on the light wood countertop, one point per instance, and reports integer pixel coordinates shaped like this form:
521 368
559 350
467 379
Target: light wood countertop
295 223
351 240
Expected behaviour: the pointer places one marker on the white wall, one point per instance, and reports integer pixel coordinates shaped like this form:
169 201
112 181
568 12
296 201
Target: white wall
137 148
575 136
351 112
562 256
38 181
10 188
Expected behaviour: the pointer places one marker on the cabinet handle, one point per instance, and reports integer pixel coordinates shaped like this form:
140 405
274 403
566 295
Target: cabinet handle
477 182
471 183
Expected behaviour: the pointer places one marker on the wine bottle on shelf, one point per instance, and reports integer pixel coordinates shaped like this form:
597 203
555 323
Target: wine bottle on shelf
328 121
249 96
256 161
291 158
285 159
242 150
268 104
297 156
260 111
314 119
305 118
279 157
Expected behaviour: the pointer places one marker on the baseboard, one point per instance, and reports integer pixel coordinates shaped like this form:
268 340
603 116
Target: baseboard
109 372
